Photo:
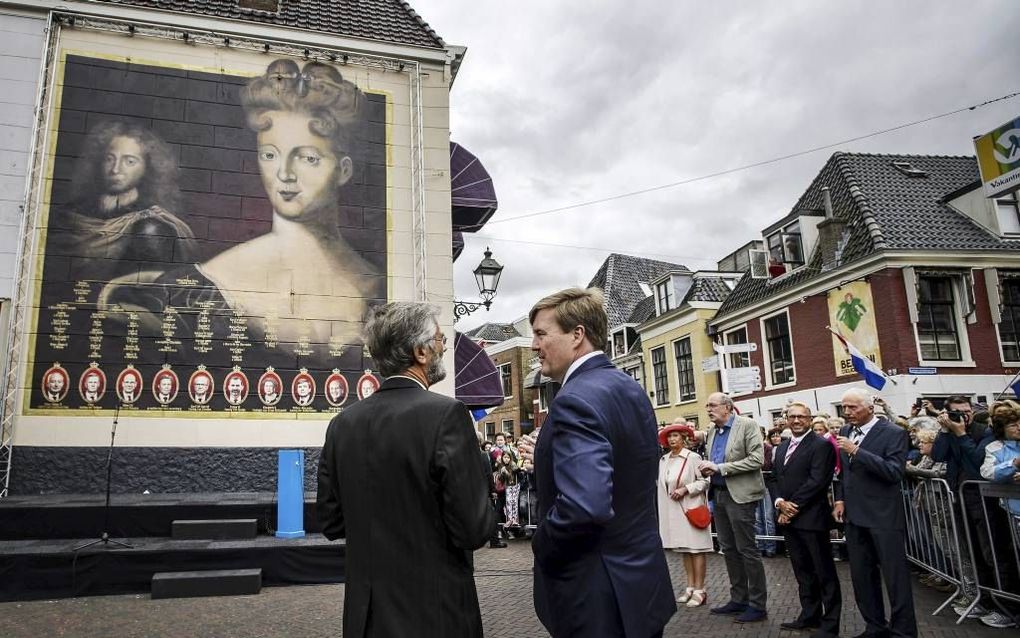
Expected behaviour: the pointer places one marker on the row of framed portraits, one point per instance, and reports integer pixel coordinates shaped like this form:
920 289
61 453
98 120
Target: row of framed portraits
201 386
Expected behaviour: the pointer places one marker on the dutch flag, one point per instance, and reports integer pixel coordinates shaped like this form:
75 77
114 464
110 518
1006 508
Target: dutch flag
867 368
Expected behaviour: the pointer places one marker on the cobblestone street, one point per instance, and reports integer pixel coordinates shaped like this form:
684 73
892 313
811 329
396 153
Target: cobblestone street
504 589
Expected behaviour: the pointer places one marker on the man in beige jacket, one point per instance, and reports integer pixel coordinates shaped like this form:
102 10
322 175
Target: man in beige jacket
734 455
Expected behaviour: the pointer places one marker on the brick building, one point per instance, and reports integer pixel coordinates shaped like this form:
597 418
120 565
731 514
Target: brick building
509 347
906 258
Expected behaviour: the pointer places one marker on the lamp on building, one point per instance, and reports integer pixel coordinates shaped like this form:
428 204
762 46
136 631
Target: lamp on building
487 277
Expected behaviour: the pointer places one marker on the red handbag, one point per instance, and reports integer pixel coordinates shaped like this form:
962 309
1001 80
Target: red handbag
700 516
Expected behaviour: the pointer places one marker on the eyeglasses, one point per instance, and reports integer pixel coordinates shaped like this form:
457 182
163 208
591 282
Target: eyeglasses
797 416
440 339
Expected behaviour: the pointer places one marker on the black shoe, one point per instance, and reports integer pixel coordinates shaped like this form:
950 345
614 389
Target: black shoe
798 625
730 608
752 615
496 544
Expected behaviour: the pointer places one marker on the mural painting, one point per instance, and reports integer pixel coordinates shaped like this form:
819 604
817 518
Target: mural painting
851 313
222 230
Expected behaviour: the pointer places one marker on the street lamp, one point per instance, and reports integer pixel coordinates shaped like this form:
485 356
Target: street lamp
487 277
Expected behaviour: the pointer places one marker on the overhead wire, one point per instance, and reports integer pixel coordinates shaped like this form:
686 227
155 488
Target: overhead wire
757 164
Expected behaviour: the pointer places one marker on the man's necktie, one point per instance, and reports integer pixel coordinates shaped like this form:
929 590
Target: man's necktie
856 435
789 451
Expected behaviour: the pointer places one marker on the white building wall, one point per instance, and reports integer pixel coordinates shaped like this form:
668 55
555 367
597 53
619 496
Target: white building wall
21 46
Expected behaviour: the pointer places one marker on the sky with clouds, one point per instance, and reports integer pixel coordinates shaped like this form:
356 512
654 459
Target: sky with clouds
569 102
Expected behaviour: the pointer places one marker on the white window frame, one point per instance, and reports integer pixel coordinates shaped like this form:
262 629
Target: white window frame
999 299
726 341
664 295
767 354
490 431
504 428
959 294
694 379
510 379
665 364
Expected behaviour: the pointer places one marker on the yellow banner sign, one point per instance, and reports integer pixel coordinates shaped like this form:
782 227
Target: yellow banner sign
851 313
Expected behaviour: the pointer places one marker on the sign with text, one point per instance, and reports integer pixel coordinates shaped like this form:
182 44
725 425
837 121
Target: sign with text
998 154
851 313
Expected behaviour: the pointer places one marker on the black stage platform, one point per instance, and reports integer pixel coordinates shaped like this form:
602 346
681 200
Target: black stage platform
44 569
81 515
38 534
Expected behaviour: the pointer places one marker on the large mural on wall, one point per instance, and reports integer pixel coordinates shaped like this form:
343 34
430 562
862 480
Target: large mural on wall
852 314
211 242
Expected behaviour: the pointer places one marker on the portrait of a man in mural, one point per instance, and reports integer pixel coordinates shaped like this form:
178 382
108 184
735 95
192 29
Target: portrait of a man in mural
200 387
336 389
124 192
164 387
55 384
92 385
129 383
367 385
235 388
303 389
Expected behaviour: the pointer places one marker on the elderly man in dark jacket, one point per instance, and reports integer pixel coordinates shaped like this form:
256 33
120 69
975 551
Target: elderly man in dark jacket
401 479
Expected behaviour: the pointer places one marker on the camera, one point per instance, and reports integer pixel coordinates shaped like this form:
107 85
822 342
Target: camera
956 416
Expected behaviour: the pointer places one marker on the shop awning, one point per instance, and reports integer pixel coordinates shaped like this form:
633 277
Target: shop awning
476 380
472 194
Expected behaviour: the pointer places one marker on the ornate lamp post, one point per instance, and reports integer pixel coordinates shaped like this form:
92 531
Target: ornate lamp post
487 277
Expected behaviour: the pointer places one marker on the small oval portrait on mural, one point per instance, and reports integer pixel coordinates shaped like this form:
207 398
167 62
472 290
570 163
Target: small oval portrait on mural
165 386
92 385
302 389
129 385
270 387
235 387
55 384
336 389
368 383
200 386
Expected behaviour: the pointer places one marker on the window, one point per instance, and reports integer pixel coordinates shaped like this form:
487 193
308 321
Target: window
634 373
619 344
490 430
684 369
507 426
937 329
692 420
664 291
506 379
738 359
780 348
1008 210
1009 326
543 403
785 245
659 374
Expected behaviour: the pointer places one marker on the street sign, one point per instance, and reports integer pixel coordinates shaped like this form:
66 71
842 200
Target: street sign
735 348
922 371
740 380
710 364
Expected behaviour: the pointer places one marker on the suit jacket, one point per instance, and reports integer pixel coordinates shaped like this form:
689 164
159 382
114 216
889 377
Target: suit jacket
805 481
400 477
745 455
596 464
870 483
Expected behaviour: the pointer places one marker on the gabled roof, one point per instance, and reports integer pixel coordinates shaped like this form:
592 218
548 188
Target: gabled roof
884 209
707 288
494 332
620 276
382 20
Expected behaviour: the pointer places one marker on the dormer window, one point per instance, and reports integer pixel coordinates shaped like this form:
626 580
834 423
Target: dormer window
1008 210
785 246
619 344
664 296
908 169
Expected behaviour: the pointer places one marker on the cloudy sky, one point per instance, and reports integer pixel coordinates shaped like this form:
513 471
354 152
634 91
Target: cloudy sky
569 102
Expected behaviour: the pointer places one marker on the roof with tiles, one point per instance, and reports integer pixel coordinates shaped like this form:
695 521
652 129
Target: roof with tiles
494 332
644 310
707 288
884 209
620 278
391 21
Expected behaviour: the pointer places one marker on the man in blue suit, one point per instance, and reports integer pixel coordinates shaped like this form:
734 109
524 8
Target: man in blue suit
600 569
874 455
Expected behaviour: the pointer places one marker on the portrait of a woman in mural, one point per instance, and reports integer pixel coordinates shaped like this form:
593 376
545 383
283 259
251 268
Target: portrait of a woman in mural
302 282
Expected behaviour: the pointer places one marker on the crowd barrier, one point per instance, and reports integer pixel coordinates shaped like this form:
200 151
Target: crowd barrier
998 505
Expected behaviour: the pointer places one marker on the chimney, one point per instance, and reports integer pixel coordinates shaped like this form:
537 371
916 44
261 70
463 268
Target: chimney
830 233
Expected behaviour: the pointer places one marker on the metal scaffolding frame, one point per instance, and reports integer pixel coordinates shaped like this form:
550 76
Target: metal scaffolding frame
418 188
20 309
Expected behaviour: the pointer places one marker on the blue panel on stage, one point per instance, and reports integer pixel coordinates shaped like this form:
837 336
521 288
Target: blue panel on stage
290 495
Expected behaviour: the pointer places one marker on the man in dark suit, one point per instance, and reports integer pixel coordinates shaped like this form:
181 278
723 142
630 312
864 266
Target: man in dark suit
599 565
803 467
401 479
873 453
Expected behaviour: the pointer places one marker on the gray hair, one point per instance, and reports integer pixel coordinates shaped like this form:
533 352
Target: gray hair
724 399
861 394
924 423
394 330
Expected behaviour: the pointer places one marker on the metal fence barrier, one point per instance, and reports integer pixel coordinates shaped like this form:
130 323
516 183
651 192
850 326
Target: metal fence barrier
1000 522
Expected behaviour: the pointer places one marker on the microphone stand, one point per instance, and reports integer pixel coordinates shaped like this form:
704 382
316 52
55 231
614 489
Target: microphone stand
105 537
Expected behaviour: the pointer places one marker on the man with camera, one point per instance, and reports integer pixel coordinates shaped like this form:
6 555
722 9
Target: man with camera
961 446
